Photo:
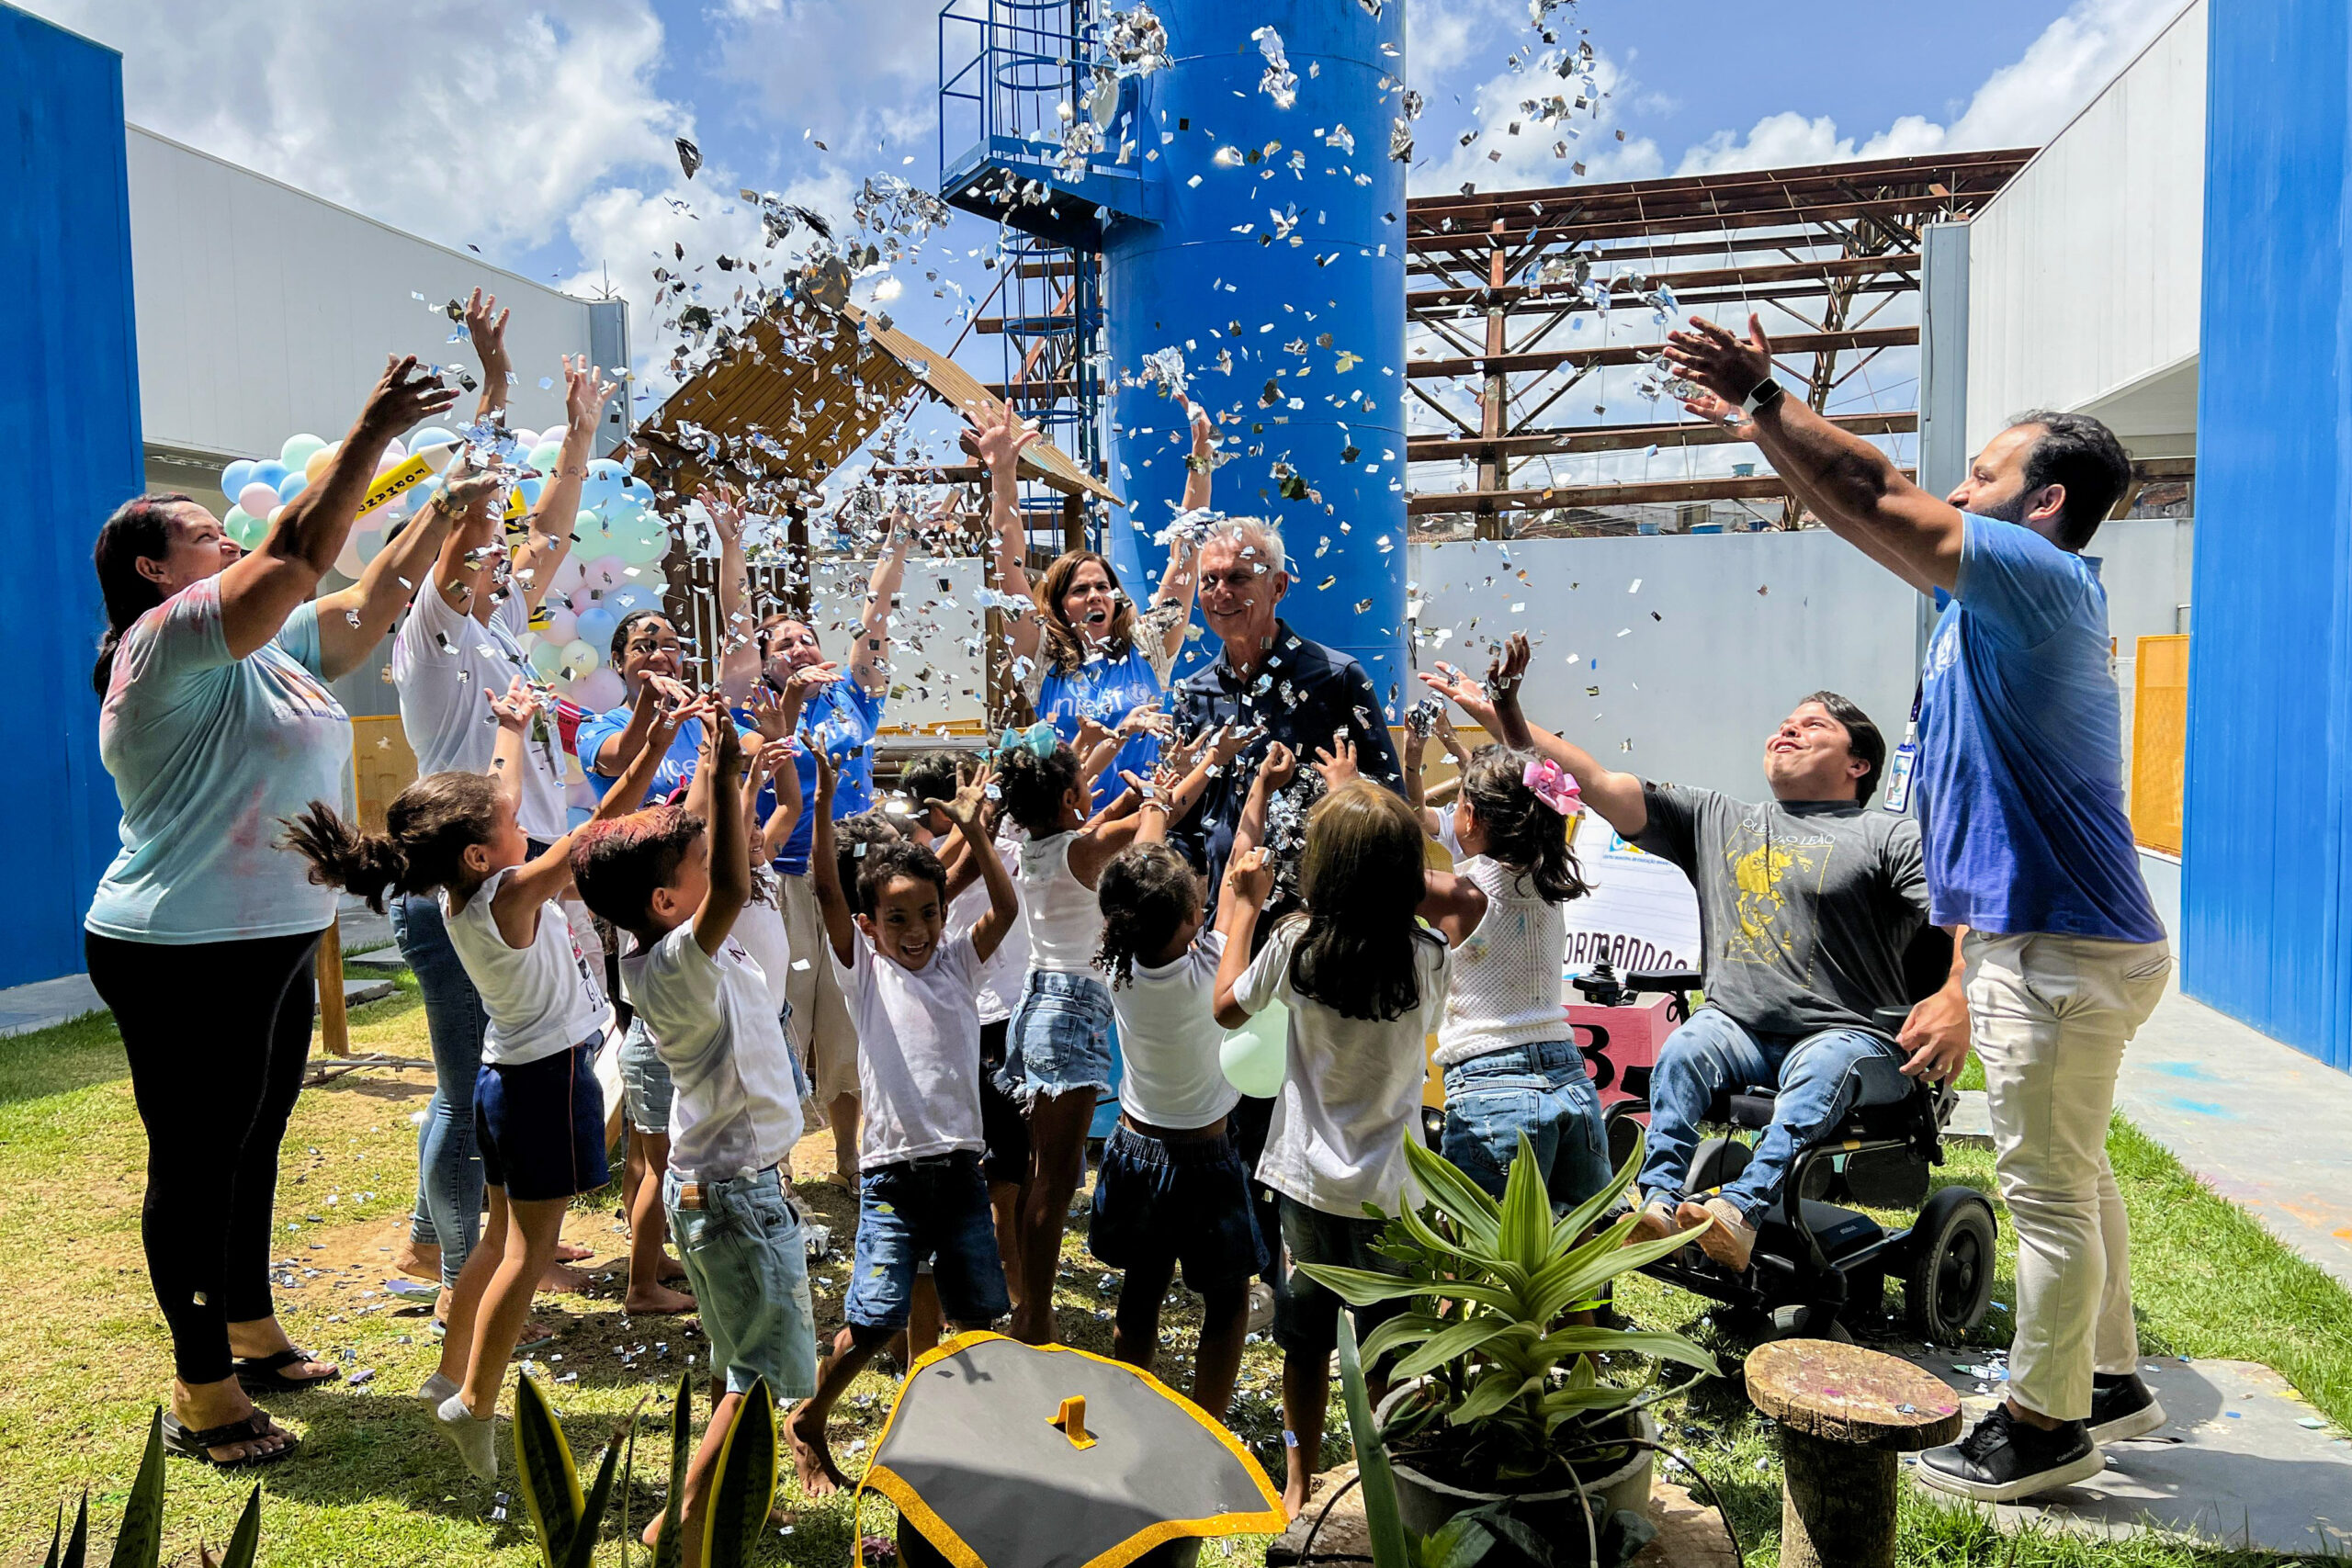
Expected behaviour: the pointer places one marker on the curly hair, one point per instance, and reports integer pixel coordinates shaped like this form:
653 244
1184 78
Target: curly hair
1521 831
935 774
1148 891
1030 789
856 840
428 829
889 861
1066 648
1362 878
618 865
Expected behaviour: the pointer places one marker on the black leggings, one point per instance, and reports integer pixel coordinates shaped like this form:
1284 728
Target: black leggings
216 1033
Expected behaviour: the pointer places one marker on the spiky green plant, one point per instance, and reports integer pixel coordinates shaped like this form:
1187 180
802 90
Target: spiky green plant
1490 1284
139 1544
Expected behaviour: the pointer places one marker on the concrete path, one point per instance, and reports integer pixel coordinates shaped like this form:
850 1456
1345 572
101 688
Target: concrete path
2260 1122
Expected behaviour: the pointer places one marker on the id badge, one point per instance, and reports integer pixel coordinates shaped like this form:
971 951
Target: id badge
1898 777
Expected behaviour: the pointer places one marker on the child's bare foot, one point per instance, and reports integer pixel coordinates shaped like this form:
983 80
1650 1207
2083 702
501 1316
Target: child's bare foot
1294 1495
417 1260
563 1281
656 1301
566 1252
671 1272
810 1457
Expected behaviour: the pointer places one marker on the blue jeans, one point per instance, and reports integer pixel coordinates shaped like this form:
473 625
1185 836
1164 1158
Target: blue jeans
910 1211
1544 1090
743 1250
1059 1037
448 1165
1821 1078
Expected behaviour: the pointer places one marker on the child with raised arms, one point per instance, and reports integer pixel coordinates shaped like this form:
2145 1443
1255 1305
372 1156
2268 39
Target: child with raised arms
538 1114
679 888
1365 982
911 989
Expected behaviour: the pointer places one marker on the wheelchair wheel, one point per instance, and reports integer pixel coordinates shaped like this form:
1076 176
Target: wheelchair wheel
1715 1162
1624 1133
1950 1282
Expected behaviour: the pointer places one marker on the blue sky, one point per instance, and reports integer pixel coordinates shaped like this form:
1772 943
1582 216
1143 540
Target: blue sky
544 135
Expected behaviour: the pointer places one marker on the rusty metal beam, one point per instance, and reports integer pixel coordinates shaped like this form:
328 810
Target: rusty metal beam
1696 277
1957 173
1633 354
1882 209
1628 493
1627 437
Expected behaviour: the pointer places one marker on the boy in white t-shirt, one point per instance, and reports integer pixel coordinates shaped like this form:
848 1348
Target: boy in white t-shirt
912 992
679 889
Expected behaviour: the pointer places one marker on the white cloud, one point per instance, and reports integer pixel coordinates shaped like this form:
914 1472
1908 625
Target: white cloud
449 118
2021 104
1528 159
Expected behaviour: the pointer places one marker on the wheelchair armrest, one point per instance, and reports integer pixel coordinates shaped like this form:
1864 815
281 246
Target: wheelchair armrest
1670 980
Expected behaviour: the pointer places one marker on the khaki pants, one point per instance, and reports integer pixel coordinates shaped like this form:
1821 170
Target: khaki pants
2049 1017
820 1028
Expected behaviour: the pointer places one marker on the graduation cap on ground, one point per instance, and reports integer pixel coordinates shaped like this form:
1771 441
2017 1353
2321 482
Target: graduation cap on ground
1005 1455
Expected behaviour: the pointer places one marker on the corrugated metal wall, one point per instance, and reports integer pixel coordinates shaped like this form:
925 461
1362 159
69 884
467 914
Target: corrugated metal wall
2264 878
69 445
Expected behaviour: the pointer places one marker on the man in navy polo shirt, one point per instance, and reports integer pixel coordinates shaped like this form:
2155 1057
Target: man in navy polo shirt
2029 856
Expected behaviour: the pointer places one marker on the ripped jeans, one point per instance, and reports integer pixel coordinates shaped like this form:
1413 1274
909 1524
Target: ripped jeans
1821 1078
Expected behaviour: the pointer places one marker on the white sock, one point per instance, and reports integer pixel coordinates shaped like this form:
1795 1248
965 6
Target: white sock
476 1440
437 1388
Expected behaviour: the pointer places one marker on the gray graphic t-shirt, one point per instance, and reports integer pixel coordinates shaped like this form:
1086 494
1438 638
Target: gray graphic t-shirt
1805 909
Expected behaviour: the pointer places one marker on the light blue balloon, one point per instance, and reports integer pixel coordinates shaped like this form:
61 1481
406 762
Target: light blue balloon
530 489
431 436
604 484
596 624
236 477
271 473
291 485
629 598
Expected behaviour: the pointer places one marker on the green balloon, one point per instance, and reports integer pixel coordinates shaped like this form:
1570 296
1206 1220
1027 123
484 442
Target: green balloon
546 658
1256 1055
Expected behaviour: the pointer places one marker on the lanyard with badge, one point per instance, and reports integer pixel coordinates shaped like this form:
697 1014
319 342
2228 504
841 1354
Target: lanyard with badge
1906 756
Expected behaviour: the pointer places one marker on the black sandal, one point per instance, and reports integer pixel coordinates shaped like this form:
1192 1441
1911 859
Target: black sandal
179 1440
261 1375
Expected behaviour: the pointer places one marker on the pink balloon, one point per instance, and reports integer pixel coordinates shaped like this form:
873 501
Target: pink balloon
605 573
258 500
599 691
569 578
562 627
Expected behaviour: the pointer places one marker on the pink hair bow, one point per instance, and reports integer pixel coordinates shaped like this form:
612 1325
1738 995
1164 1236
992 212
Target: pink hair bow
1553 786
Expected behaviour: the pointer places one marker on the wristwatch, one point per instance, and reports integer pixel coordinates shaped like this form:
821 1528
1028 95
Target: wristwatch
1768 392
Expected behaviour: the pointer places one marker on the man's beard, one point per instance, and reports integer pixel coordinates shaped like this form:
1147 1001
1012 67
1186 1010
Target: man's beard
2010 511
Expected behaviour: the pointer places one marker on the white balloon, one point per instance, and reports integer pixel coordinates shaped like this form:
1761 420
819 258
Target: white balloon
599 691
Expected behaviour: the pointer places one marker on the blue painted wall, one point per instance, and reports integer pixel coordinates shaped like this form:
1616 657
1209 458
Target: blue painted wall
1188 277
69 444
2266 894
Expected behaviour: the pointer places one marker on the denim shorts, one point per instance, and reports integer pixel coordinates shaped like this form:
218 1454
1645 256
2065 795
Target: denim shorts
1544 1090
1059 1038
918 1210
743 1250
1306 1316
1187 1202
540 1125
645 1082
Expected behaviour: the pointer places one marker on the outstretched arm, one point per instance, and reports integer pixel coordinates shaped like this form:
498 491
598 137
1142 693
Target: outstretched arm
486 324
999 444
868 660
352 622
1617 796
1005 907
730 853
825 865
739 648
552 519
1247 881
1850 485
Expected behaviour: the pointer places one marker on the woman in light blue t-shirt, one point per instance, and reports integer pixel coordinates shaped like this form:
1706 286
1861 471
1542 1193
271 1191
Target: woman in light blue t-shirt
217 724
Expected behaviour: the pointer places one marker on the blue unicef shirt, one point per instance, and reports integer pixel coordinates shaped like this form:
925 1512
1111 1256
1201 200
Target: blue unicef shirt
2020 779
1106 690
676 769
842 716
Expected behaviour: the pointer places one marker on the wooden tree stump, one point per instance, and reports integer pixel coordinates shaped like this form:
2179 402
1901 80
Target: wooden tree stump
1844 1413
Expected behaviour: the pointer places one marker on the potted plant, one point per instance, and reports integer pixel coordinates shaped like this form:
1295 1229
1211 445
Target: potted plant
1498 1397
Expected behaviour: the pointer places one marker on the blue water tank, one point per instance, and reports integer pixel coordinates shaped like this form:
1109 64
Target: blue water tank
1274 247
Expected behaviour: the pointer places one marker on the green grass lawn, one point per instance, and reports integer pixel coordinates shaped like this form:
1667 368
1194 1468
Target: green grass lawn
87 1359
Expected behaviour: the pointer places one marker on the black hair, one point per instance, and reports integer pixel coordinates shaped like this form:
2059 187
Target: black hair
1031 788
1864 740
428 829
932 776
140 529
856 840
1363 876
1521 831
618 864
2078 452
1147 892
622 629
888 861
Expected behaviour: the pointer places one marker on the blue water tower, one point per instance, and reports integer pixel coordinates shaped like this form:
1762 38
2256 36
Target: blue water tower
1238 188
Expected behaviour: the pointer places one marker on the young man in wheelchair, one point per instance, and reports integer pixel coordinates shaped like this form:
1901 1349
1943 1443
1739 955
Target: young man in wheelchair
1807 902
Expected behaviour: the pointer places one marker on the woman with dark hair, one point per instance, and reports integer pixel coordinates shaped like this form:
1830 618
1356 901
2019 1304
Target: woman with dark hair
217 722
1087 653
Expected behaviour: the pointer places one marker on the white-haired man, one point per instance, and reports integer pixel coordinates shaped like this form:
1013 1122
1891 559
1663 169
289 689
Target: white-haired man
1303 694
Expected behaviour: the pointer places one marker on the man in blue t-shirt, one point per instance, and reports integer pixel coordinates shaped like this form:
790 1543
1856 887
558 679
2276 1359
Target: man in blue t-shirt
2029 860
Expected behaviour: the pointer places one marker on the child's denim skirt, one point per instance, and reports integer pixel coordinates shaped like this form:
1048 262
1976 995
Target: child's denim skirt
1059 1038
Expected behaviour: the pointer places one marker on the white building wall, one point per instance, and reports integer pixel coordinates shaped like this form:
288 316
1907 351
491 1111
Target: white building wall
264 311
2084 271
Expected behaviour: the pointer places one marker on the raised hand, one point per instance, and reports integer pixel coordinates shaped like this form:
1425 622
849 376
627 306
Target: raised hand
1463 692
722 743
1232 739
726 510
516 706
470 489
1001 441
1205 438
403 396
1146 718
767 714
1337 765
1509 666
1280 767
1248 877
774 758
1715 410
486 324
1723 364
970 801
585 393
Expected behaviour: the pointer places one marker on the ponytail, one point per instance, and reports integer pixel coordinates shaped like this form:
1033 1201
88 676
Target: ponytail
140 529
429 827
1523 832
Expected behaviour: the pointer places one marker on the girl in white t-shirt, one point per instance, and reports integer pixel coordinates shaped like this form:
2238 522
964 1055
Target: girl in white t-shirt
1173 1187
540 1106
1365 982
